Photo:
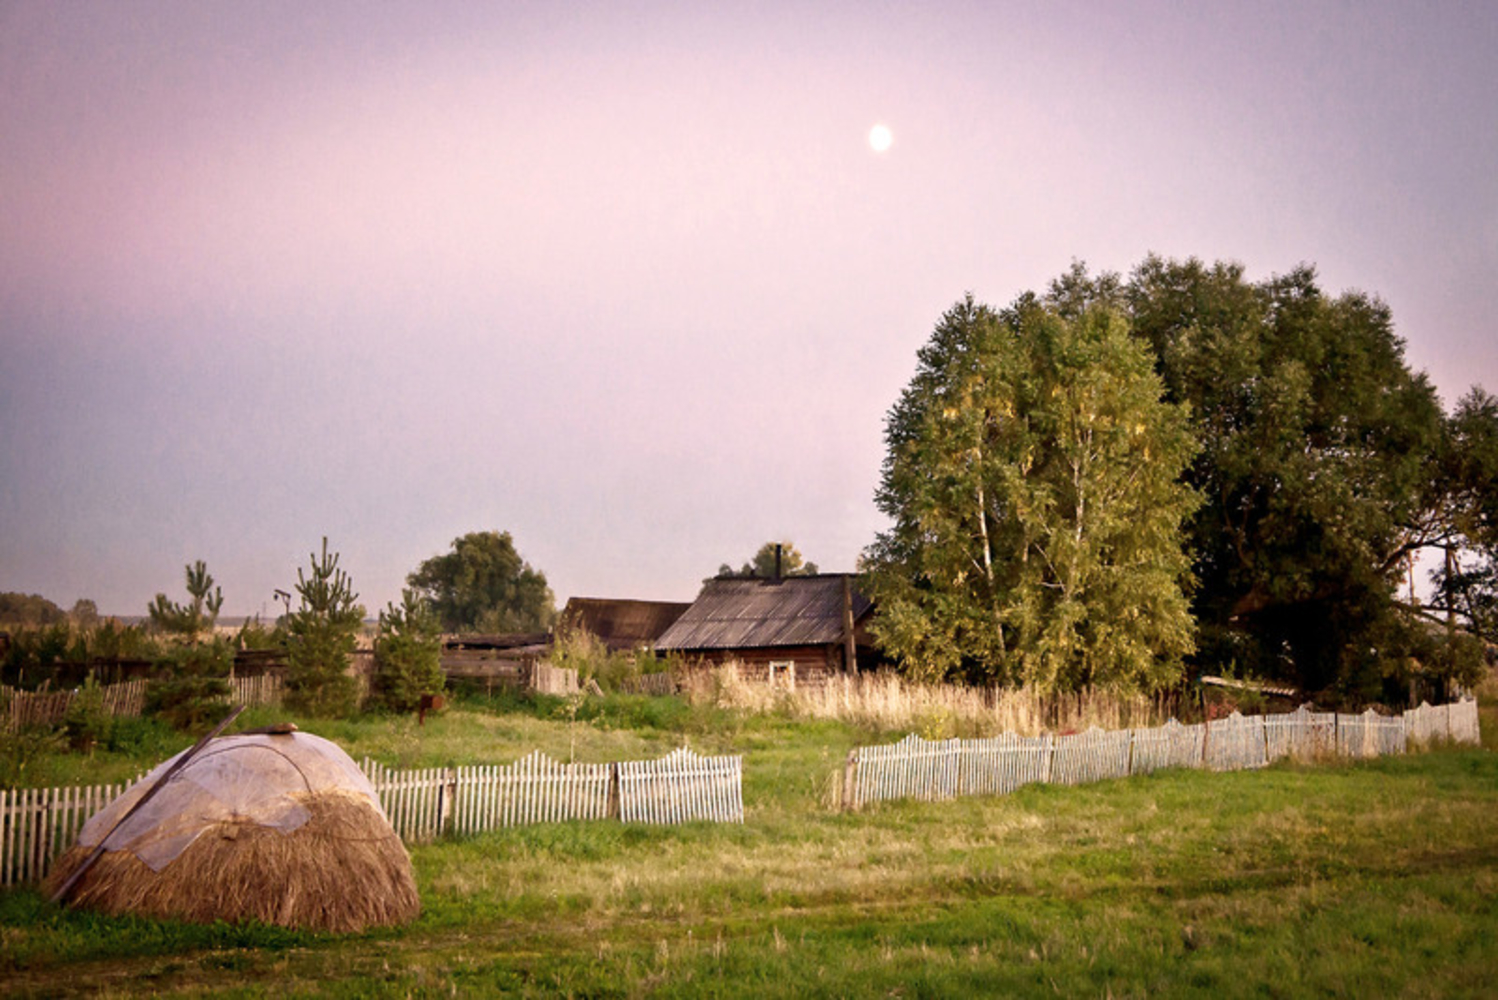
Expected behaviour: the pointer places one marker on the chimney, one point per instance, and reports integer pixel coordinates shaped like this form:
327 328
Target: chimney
777 562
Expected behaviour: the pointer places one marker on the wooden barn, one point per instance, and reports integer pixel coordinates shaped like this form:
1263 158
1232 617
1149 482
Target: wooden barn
796 630
621 624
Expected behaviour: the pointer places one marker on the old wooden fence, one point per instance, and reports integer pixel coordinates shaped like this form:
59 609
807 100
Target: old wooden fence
924 769
38 824
678 788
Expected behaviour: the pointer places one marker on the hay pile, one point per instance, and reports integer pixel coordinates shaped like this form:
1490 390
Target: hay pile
281 829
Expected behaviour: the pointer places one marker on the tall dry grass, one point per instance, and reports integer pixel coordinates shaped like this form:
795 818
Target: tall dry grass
887 702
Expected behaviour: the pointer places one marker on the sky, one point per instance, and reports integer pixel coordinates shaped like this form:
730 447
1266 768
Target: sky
628 280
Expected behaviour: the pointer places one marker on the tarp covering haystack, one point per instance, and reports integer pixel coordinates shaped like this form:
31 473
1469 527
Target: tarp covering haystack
278 828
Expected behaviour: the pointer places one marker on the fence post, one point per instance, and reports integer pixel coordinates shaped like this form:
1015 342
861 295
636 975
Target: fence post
447 795
614 803
850 780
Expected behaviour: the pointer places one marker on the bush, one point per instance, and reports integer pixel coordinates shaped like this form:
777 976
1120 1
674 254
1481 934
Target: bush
87 722
192 692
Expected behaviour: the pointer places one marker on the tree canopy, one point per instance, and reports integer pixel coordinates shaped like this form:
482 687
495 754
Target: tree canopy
762 566
28 609
1325 465
483 585
1032 478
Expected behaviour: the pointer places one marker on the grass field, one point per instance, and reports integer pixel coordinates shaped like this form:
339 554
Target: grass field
1376 879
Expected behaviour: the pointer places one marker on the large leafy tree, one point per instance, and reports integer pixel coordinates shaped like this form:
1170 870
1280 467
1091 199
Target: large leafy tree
1033 482
483 585
763 567
1325 465
1467 583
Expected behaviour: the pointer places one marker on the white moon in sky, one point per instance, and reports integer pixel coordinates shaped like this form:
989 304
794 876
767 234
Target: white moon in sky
880 138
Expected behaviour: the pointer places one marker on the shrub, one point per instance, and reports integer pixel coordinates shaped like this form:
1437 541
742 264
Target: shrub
87 722
192 691
408 654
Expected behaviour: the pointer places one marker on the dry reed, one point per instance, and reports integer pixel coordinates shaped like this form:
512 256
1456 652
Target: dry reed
887 702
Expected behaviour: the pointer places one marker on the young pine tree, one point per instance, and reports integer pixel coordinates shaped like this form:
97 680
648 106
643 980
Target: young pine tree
191 686
320 636
408 653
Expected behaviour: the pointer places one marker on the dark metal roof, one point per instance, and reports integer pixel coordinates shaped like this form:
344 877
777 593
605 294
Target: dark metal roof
622 624
752 614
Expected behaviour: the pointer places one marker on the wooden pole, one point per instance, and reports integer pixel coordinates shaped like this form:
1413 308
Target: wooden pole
850 648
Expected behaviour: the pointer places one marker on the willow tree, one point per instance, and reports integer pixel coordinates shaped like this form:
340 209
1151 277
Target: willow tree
1033 482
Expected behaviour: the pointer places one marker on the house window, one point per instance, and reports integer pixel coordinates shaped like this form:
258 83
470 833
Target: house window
783 674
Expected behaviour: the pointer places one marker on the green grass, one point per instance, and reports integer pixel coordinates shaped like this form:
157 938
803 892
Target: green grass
1375 879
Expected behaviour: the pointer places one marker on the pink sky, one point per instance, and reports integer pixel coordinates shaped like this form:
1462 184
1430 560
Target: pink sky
626 279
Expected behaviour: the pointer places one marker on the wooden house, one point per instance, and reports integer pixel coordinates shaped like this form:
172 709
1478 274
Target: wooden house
795 630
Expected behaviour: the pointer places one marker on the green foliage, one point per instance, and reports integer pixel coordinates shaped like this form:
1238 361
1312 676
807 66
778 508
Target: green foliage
191 688
1467 585
191 692
483 585
1326 463
195 618
113 641
85 614
88 721
21 748
30 610
256 635
1032 478
762 566
34 652
320 637
408 654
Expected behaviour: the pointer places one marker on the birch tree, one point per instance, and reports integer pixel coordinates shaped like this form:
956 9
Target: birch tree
1033 482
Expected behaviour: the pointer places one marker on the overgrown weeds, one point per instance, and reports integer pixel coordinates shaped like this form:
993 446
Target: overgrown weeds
888 703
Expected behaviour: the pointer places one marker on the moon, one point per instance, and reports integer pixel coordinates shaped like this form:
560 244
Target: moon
880 138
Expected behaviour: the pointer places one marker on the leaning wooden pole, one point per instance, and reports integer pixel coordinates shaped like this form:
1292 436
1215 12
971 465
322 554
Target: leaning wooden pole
170 773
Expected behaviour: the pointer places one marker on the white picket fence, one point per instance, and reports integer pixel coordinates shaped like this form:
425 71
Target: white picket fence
38 824
678 788
932 770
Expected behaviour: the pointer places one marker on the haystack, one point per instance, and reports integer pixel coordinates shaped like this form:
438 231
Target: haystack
278 828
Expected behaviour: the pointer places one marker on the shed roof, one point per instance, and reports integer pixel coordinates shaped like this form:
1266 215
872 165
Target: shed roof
622 623
736 613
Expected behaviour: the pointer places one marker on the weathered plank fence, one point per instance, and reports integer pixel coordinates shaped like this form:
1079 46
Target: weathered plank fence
49 708
931 770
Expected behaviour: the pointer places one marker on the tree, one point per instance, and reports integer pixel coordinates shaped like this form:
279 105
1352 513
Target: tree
483 585
763 567
191 689
1320 467
198 616
1032 478
320 637
85 614
408 653
32 610
1467 585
